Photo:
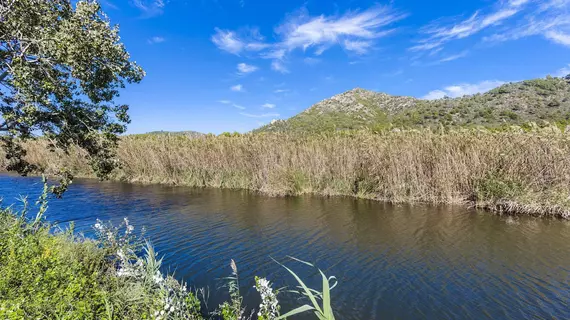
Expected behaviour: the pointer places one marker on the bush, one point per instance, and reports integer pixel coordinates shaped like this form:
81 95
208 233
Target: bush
46 273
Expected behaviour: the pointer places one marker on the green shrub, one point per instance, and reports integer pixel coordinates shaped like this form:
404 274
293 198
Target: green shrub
494 188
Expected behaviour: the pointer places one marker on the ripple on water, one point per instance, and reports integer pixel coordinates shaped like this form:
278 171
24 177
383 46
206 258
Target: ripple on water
405 262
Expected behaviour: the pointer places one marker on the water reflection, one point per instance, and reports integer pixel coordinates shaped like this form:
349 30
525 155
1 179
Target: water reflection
392 261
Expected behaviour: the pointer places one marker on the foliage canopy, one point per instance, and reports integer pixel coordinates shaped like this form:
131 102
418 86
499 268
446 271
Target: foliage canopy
61 67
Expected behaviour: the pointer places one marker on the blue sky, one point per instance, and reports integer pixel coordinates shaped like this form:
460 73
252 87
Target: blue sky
233 65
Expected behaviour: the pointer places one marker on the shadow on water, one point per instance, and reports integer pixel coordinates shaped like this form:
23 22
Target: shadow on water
392 261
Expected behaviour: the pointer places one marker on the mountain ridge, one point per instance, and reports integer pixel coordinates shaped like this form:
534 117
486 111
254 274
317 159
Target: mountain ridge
543 99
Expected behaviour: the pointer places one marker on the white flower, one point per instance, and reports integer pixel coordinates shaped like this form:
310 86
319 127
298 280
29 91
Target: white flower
269 306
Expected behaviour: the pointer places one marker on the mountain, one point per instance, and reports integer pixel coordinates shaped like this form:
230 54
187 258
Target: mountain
535 100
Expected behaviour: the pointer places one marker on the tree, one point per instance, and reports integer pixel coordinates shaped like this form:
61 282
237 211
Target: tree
61 67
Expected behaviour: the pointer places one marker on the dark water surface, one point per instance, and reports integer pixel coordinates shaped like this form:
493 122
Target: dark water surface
392 262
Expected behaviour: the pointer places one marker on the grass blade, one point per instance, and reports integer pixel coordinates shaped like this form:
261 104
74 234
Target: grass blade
295 311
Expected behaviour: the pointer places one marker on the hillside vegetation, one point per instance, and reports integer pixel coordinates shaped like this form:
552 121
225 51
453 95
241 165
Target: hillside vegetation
537 100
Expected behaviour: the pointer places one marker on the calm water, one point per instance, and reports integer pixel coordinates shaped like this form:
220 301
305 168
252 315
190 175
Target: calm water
392 262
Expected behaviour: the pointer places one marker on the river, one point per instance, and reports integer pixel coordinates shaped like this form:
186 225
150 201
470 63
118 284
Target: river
391 261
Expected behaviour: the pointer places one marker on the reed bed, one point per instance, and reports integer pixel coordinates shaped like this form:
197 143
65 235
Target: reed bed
509 172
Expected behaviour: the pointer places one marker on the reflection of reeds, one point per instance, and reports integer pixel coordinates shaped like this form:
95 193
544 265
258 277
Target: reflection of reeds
527 172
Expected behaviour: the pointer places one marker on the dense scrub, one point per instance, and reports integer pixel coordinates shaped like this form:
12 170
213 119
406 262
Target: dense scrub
513 170
47 273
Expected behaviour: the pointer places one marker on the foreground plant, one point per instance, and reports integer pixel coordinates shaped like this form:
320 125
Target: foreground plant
322 311
269 308
50 273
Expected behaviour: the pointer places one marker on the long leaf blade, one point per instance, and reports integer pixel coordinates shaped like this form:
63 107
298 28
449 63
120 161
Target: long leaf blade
295 311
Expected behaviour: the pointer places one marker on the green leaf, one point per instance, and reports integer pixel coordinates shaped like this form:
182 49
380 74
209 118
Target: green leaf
301 309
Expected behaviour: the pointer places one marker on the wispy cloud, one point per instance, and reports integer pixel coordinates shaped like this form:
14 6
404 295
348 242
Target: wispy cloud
237 88
237 106
355 31
563 71
278 66
264 115
109 4
463 89
236 42
268 105
149 8
558 37
393 73
358 47
156 39
548 18
301 31
224 101
454 57
281 90
244 68
438 33
311 61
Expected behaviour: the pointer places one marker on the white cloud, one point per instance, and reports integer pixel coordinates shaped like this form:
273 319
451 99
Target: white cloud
228 41
311 61
281 90
157 39
268 105
359 47
497 17
245 68
463 89
434 94
277 54
558 37
278 66
393 73
248 39
238 106
549 19
149 8
356 31
454 57
301 31
237 88
563 71
264 115
438 34
224 101
256 46
516 3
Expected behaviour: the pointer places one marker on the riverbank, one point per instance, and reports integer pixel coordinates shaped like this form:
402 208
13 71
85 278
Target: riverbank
51 273
511 172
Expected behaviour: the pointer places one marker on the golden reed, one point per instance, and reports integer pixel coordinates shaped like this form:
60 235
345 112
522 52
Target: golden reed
510 172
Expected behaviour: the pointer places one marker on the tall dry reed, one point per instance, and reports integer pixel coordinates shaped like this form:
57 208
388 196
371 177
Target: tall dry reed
506 170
